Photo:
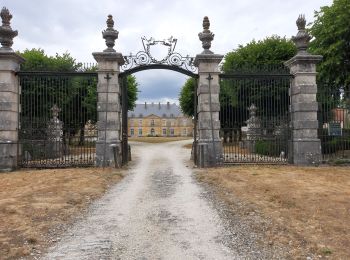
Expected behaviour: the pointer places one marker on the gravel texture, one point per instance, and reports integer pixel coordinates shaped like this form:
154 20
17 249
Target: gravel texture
159 211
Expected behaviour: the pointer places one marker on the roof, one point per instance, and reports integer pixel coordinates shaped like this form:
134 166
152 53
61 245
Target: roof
161 110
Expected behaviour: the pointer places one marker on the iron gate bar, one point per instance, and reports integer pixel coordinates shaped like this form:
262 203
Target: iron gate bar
54 73
158 66
125 148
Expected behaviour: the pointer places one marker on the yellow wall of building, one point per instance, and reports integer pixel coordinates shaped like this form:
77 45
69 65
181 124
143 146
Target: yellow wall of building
177 126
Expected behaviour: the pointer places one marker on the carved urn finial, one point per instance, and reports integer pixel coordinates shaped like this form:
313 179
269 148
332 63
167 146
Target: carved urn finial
110 34
252 110
302 39
6 32
55 111
206 36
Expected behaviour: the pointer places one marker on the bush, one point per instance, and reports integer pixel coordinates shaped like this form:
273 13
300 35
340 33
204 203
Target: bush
271 147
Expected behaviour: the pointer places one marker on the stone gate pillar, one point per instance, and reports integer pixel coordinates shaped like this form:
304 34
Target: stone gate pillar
108 100
304 146
9 95
209 151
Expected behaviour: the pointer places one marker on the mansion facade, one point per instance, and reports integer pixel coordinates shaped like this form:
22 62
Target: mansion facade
158 120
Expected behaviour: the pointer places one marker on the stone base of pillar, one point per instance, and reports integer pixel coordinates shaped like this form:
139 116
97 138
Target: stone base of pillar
108 154
306 152
209 154
8 156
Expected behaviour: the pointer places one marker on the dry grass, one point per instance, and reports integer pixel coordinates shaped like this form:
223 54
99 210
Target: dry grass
158 139
35 202
310 207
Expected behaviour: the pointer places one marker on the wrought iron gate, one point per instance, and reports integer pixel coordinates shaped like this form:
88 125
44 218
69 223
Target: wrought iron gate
334 123
58 119
254 115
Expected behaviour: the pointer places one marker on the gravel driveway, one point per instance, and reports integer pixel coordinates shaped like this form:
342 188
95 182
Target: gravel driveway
158 211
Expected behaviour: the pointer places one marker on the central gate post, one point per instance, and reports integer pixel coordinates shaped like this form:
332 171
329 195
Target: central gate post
108 100
304 146
209 150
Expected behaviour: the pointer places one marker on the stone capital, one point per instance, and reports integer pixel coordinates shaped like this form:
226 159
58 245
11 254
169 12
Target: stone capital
303 59
109 57
208 58
10 61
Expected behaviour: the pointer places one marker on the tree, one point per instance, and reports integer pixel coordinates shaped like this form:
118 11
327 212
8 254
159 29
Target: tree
186 97
331 39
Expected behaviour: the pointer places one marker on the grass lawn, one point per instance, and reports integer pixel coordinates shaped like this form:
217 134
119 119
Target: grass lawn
34 203
309 206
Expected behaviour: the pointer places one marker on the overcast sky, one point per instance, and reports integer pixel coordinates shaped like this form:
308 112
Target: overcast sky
75 26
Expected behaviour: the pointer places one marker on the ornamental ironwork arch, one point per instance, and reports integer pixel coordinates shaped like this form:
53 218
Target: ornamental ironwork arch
145 60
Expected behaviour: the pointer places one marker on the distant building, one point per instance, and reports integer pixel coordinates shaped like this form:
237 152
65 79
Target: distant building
158 120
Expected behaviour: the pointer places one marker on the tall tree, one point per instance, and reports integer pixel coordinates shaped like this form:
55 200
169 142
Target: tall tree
186 97
331 39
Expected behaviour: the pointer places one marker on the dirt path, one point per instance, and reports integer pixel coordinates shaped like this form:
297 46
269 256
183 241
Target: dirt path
157 212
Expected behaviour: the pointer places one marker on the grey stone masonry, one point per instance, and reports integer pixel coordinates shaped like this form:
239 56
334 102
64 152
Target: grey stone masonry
108 100
9 109
9 95
304 145
209 143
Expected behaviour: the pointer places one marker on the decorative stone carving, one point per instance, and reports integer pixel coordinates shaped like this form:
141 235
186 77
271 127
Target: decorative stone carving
6 32
206 36
54 134
110 34
253 128
302 39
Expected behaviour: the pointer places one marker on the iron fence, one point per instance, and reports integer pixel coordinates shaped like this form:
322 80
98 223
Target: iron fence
58 119
254 115
334 123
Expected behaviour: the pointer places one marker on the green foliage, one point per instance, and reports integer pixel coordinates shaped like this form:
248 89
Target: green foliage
37 60
270 147
132 91
270 51
186 97
331 39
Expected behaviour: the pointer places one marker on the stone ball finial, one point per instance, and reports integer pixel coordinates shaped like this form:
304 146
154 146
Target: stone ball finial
110 34
206 36
6 32
302 39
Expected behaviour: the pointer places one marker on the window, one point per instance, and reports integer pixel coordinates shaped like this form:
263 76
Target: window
171 115
140 131
140 122
152 132
184 132
132 132
132 122
163 122
172 131
164 131
164 115
152 122
132 115
140 115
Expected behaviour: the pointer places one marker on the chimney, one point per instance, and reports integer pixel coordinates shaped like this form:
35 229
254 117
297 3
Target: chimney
145 105
168 105
159 106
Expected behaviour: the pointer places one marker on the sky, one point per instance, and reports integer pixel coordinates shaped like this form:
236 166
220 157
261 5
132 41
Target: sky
75 26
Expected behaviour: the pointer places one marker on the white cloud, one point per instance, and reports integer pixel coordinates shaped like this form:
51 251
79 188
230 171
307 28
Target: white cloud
75 26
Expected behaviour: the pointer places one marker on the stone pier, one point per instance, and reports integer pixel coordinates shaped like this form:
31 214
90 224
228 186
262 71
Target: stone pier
108 145
304 145
9 96
209 151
